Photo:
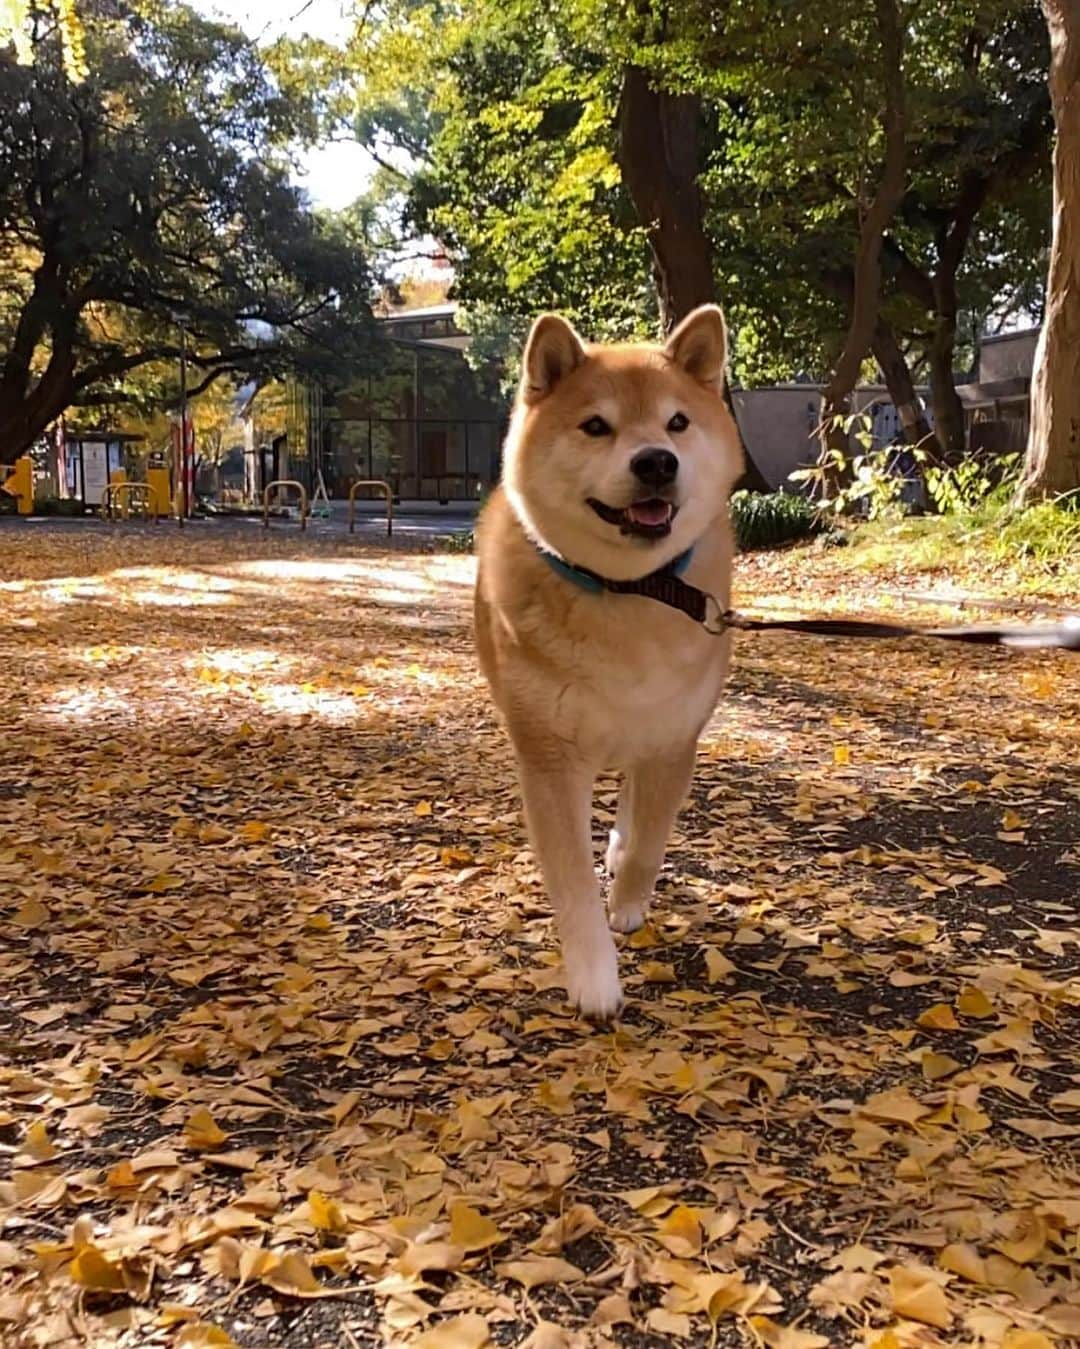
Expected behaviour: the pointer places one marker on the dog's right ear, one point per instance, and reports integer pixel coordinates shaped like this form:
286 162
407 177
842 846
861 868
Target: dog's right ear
551 353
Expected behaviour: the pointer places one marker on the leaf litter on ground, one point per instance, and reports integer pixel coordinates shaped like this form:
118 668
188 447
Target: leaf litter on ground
286 1059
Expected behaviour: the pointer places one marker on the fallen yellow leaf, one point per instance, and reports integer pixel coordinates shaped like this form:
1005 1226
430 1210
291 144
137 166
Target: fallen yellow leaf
31 913
539 1269
938 1017
470 1331
973 1002
470 1230
202 1131
916 1296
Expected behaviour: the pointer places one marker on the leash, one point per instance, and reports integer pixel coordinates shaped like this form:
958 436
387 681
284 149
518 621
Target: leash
667 587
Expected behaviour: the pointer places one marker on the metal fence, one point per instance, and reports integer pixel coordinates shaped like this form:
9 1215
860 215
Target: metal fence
423 458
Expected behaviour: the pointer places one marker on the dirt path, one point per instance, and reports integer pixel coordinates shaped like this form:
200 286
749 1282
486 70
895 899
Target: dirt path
283 1054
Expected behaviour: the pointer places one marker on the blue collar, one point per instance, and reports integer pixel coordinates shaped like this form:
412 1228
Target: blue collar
587 580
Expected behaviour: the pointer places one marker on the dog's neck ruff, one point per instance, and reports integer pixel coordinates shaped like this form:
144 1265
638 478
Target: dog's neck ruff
665 584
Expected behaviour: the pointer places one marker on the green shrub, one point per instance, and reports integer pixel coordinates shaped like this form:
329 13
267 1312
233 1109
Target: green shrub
766 520
58 506
462 542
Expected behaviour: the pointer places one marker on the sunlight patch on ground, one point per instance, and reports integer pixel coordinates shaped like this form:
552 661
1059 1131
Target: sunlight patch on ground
81 702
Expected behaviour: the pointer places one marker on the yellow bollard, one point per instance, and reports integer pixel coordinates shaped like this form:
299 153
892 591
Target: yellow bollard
116 477
157 479
19 483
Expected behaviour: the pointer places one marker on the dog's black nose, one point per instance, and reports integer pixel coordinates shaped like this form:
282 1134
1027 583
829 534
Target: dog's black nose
655 468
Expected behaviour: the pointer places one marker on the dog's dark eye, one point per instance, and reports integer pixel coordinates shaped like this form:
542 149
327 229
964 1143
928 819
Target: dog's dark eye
596 426
679 422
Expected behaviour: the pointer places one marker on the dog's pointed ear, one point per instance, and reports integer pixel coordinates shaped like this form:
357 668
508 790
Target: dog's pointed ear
551 353
699 345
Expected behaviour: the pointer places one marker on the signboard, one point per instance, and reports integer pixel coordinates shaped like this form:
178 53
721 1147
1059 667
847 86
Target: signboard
95 467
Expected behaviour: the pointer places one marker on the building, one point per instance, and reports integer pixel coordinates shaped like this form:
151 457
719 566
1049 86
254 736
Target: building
779 423
997 404
88 462
424 420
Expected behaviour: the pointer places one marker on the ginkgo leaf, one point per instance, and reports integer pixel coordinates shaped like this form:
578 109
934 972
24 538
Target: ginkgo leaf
164 880
36 1143
539 1269
717 965
669 1323
962 1258
786 1337
202 1131
336 1037
916 1296
973 1002
681 1232
896 1105
1027 1238
471 1230
31 913
470 1331
325 1213
420 1256
613 1310
937 1066
292 1274
938 1017
91 1268
576 1222
204 1335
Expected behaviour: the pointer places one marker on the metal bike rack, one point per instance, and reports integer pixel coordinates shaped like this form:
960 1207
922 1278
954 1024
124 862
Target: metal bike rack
117 489
385 489
285 482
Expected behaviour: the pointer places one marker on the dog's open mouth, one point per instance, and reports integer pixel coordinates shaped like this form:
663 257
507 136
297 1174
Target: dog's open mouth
649 519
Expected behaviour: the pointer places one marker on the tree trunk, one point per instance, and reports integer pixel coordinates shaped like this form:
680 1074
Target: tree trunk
908 404
863 316
1052 463
659 153
26 416
948 409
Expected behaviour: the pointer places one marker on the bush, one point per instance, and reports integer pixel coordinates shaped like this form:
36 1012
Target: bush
462 542
58 506
764 521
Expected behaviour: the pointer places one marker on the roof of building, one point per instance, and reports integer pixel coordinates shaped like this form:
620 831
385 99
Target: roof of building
431 311
991 338
997 391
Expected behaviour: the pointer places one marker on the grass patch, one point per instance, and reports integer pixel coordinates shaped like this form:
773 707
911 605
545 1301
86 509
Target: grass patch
1035 550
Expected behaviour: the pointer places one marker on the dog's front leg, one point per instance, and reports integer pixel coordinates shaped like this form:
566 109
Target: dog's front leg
651 795
558 810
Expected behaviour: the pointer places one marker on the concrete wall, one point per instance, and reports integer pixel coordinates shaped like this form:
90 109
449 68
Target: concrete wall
1010 356
777 426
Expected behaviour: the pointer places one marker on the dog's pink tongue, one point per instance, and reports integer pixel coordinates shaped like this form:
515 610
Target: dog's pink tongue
649 512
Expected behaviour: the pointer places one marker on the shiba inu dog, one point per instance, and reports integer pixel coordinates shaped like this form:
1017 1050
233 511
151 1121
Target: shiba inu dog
619 463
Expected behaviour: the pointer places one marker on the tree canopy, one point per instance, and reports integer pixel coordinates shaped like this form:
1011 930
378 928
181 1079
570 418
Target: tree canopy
510 131
151 194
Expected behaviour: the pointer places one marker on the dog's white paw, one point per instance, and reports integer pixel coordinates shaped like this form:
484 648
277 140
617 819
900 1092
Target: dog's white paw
593 986
627 917
615 852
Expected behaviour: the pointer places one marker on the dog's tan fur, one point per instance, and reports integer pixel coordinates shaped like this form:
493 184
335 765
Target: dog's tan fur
585 681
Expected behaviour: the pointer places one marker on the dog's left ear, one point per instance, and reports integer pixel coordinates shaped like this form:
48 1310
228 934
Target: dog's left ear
699 345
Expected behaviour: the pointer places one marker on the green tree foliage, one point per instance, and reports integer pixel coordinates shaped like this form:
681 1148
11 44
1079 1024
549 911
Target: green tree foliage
510 117
156 191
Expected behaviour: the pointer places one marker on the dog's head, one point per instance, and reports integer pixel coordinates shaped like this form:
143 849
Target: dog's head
620 457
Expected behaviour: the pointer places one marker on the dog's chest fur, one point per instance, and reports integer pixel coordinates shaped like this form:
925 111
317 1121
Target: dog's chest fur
613 678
